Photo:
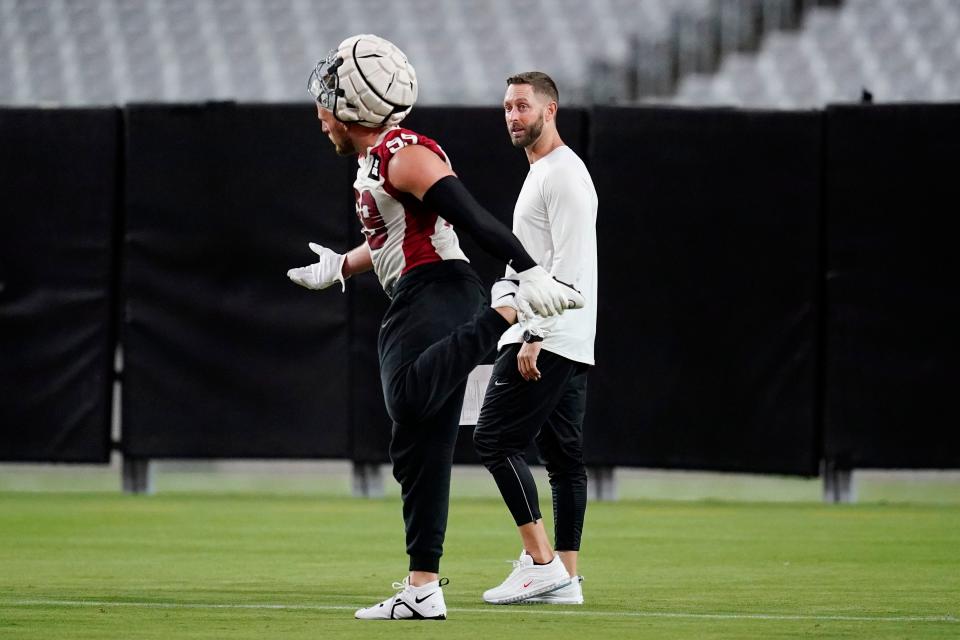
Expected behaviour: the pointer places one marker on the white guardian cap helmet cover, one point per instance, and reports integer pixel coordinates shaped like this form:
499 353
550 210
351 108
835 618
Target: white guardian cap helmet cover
367 80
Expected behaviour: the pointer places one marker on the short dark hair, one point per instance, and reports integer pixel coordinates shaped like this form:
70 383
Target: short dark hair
541 83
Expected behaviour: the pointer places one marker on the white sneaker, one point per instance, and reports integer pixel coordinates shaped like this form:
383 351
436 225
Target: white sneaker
570 594
504 293
410 603
528 580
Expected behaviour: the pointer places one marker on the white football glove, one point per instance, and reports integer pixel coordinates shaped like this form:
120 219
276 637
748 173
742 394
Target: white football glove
320 275
504 294
544 295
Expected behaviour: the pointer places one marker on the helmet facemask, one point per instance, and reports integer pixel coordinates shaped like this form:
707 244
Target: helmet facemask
324 83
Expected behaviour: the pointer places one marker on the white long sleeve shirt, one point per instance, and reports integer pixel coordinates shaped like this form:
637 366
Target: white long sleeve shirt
555 219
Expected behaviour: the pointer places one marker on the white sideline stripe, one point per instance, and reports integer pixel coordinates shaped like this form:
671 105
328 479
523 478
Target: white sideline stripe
525 610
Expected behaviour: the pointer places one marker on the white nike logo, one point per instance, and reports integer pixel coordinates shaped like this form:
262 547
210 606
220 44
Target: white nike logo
500 383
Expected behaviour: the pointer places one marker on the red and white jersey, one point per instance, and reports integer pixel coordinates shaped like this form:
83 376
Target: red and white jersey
402 233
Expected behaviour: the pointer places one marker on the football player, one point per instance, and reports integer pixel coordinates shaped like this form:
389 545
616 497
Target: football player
411 205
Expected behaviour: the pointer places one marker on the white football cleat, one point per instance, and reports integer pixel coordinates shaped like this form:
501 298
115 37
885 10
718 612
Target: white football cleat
528 580
570 594
410 603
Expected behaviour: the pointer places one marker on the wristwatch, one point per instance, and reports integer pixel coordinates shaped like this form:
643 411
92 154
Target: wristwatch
530 337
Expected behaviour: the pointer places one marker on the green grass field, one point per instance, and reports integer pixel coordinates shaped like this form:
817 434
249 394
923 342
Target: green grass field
257 565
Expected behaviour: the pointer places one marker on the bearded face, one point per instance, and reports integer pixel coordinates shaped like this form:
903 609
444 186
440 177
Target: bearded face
522 136
523 110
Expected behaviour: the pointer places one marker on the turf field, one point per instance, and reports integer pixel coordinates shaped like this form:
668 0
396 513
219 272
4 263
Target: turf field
243 565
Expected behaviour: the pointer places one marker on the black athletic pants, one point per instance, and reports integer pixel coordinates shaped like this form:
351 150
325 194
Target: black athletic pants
551 410
437 329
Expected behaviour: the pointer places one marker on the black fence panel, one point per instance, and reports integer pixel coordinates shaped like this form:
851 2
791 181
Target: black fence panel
708 246
223 355
476 140
712 254
58 197
369 423
893 338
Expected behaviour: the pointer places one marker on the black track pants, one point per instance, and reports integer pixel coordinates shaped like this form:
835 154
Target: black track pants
550 411
436 330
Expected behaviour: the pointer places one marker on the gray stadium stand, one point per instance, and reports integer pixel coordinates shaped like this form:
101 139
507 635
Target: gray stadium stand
898 50
89 52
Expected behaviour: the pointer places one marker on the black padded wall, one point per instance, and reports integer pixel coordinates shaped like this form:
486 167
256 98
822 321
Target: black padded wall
224 356
711 258
708 240
58 189
893 339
